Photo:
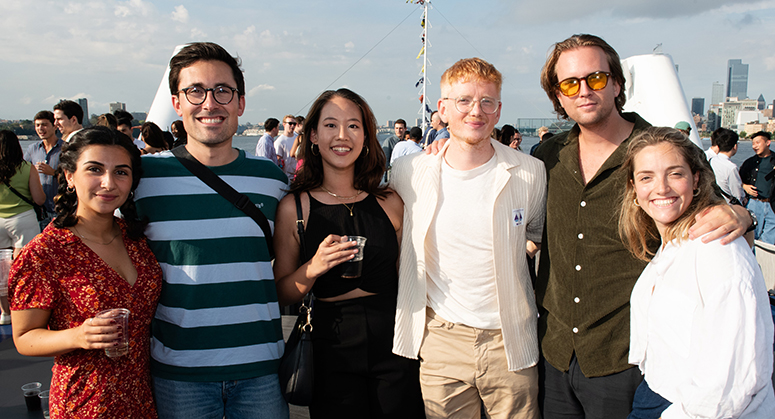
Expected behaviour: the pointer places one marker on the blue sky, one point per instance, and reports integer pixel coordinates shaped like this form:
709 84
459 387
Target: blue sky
110 50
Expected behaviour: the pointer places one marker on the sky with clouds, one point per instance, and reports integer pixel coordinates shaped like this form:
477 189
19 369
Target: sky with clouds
117 51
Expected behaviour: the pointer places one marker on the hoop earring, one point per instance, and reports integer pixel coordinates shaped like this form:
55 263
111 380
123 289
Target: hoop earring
312 149
70 189
696 192
131 195
367 150
635 201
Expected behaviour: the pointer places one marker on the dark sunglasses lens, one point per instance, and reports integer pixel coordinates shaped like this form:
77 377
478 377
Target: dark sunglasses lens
597 81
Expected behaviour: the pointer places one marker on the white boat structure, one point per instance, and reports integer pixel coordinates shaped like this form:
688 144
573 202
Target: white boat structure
654 91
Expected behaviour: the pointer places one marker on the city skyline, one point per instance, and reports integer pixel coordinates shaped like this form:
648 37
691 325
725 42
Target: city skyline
118 50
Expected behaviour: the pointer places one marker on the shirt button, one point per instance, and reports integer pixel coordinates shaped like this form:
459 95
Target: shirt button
576 299
575 330
578 267
581 236
583 203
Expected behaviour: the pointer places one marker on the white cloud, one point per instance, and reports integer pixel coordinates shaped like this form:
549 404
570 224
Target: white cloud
180 14
26 100
198 34
349 46
770 62
258 89
133 8
637 9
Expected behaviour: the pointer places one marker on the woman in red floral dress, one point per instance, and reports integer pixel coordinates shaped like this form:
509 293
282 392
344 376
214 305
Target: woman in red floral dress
84 262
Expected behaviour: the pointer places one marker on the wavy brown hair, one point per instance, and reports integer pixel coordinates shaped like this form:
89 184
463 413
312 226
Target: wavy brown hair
370 164
636 228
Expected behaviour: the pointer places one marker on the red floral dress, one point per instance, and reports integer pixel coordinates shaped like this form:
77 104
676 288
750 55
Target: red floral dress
56 271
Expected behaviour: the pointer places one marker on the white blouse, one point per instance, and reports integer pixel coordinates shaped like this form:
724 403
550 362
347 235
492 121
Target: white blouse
702 332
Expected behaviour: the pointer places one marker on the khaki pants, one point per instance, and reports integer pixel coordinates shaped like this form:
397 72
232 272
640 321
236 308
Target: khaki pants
462 367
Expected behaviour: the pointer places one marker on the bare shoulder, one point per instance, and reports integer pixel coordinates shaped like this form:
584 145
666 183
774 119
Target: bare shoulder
393 206
287 208
286 204
392 198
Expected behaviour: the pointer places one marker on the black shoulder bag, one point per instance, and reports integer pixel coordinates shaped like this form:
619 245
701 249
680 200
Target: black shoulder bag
40 212
239 200
296 374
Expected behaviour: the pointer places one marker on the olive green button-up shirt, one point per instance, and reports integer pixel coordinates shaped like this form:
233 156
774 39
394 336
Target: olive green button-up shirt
585 274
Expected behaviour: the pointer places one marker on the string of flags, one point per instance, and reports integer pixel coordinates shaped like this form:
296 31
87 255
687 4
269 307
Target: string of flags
425 109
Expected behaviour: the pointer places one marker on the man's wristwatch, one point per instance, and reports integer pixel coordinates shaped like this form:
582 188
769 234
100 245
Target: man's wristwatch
754 221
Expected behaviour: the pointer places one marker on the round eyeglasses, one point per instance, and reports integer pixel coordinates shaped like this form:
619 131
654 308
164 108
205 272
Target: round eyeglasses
595 81
197 95
464 104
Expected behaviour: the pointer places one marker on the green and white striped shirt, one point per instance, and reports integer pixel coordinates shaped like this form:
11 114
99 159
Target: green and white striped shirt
218 318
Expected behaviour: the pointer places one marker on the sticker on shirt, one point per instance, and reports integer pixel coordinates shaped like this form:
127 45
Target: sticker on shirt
518 215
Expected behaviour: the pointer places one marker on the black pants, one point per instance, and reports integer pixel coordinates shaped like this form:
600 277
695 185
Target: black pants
571 395
356 373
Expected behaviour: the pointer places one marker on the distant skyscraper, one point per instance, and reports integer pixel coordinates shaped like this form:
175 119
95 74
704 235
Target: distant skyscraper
85 106
762 103
717 95
737 79
117 106
698 106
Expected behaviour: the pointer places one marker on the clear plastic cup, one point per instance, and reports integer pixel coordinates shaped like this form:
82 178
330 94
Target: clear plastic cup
44 403
31 392
353 267
121 317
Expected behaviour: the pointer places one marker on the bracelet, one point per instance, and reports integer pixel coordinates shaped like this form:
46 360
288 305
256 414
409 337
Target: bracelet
754 221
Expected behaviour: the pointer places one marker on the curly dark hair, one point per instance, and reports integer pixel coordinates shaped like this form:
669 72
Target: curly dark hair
369 166
11 156
67 201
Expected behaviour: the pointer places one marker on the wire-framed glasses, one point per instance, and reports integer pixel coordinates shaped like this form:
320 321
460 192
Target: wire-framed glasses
464 104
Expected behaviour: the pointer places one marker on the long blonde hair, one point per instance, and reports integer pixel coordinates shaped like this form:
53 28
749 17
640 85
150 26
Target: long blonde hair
636 228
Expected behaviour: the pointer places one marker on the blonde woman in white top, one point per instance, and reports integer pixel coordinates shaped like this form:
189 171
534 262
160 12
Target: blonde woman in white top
701 327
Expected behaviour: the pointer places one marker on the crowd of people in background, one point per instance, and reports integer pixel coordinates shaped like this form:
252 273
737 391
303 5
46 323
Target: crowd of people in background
661 312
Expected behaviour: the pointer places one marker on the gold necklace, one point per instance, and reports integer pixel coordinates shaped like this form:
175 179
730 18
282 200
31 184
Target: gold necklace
349 208
340 197
109 241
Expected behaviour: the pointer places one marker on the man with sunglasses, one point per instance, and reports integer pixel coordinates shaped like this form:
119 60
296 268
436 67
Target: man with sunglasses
217 332
466 306
283 145
585 273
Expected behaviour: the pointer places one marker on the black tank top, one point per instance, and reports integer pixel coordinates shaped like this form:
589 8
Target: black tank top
379 275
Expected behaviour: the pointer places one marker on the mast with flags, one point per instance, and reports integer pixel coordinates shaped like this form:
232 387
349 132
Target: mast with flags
422 83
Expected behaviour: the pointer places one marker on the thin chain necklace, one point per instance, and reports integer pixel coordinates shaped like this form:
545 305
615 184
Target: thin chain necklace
351 207
341 198
96 241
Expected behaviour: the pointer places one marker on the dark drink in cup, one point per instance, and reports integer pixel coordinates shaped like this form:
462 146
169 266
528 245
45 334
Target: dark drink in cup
31 392
353 267
32 400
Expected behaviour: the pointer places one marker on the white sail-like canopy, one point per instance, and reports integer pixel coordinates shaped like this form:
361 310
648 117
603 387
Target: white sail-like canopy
162 113
654 91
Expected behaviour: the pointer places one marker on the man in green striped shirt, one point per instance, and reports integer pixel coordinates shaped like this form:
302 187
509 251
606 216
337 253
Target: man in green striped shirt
217 335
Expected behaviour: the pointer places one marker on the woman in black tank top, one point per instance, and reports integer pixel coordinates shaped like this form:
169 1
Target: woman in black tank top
356 373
